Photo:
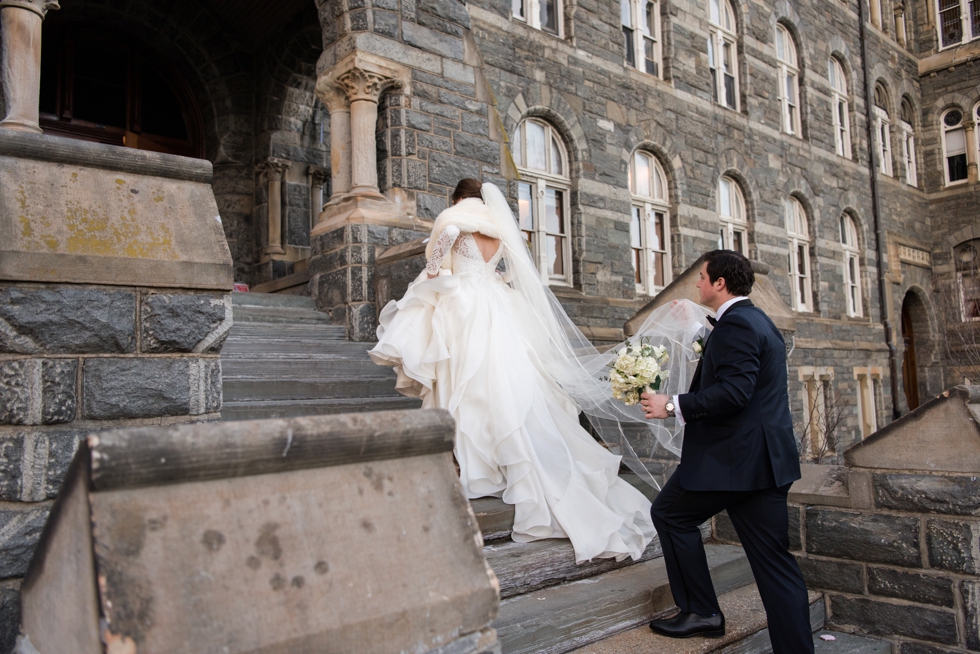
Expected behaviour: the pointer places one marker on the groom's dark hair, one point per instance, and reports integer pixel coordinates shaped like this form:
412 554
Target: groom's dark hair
733 267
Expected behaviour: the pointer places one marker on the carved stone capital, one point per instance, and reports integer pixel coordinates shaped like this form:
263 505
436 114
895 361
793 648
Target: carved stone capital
334 97
899 10
363 84
273 168
317 175
39 7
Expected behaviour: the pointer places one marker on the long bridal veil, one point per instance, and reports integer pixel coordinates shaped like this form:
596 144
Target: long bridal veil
569 358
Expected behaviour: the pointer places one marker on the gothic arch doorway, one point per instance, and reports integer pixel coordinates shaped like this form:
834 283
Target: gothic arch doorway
917 338
100 86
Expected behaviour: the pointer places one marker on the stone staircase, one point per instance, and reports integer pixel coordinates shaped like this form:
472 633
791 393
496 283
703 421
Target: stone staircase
283 359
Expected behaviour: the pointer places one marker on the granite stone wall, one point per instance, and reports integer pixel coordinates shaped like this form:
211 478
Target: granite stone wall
76 360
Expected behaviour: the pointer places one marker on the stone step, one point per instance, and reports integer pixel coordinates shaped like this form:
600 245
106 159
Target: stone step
256 346
237 389
572 615
745 631
319 367
315 331
279 315
258 410
272 300
527 567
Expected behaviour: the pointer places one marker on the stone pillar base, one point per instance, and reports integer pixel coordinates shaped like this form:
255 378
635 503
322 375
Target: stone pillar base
368 207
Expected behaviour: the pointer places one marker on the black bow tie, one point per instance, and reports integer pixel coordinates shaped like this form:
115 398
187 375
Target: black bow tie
712 321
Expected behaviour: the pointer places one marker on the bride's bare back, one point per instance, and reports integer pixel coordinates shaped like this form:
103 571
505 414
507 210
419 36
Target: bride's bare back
488 246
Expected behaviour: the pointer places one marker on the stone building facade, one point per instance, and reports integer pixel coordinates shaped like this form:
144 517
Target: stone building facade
835 143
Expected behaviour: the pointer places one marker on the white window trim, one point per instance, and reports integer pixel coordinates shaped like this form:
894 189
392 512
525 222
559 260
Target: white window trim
719 35
816 381
884 141
786 70
649 206
908 153
540 181
842 133
855 308
732 224
532 17
796 239
869 385
965 26
638 15
942 137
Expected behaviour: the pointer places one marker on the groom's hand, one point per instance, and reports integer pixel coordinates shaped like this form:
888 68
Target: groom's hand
654 405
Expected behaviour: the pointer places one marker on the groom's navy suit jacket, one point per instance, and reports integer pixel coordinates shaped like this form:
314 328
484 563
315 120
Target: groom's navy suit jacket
739 433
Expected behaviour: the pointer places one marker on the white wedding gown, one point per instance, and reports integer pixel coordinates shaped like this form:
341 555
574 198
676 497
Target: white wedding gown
454 342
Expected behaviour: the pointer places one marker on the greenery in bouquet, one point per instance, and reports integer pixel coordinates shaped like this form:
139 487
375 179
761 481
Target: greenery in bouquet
636 368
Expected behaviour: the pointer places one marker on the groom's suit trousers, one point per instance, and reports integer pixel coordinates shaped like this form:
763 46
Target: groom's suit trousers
761 521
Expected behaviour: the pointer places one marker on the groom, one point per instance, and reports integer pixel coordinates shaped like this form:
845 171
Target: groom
739 454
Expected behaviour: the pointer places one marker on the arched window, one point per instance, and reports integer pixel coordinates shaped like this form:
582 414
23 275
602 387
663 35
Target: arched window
908 142
852 266
723 53
731 215
798 231
649 223
839 98
959 21
641 34
544 15
967 257
101 87
954 146
788 81
883 131
543 198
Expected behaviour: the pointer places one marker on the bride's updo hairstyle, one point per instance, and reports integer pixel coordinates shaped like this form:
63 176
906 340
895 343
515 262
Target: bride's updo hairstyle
467 188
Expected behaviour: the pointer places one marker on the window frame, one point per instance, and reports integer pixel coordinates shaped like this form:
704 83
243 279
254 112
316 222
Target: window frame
868 388
798 235
649 206
853 300
788 77
532 17
731 225
968 31
635 45
720 35
907 128
817 381
840 97
960 273
540 182
883 133
944 130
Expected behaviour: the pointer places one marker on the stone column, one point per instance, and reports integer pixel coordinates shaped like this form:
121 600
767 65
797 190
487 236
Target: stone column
20 60
900 34
335 98
971 148
273 170
364 88
316 176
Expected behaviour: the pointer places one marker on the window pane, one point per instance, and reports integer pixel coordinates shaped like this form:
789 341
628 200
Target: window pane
950 26
516 147
730 90
557 167
738 241
843 230
636 239
725 197
525 206
549 18
658 269
955 141
721 239
630 49
832 74
637 266
650 55
957 167
642 174
975 17
535 145
658 232
714 12
556 256
554 211
99 91
626 13
650 20
517 7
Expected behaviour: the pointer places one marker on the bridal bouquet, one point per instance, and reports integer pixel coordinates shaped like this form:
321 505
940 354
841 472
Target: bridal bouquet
637 368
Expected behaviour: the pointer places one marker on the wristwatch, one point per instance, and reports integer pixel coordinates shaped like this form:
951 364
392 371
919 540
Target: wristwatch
670 409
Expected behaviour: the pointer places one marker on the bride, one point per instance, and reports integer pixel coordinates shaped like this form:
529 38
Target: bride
497 351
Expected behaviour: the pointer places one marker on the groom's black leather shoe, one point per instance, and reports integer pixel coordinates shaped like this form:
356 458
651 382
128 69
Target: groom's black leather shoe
685 625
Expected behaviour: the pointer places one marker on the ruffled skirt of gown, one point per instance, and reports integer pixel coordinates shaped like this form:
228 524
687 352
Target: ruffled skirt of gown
454 342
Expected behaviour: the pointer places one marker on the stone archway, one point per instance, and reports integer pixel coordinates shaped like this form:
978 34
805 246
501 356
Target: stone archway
916 330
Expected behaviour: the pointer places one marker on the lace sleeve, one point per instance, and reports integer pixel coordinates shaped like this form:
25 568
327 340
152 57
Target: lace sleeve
441 248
